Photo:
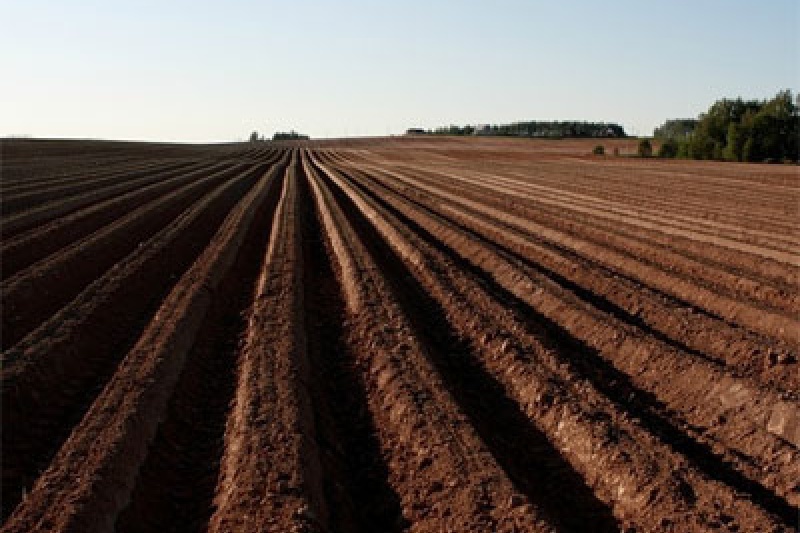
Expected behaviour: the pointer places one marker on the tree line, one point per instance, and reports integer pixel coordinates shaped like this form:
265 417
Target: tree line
533 128
737 130
279 136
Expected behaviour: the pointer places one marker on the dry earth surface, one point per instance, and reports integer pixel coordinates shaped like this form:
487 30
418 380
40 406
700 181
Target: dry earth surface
399 334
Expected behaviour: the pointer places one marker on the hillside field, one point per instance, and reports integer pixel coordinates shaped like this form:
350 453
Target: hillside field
420 334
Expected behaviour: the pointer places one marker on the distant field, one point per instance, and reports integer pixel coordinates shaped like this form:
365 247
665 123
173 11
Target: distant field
422 334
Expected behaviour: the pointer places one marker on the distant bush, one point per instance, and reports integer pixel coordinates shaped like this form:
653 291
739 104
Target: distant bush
645 149
668 148
599 150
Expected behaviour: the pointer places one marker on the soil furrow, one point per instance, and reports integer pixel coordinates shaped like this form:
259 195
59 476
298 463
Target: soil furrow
536 468
50 378
408 400
355 474
756 267
515 367
15 202
416 333
270 470
611 237
703 209
42 170
13 180
176 484
91 477
641 405
35 293
41 214
654 221
671 321
658 200
745 432
26 248
778 325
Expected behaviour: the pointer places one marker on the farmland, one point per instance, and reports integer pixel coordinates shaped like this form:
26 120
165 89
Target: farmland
400 334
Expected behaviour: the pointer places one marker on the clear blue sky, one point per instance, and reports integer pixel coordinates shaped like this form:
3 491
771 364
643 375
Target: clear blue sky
214 71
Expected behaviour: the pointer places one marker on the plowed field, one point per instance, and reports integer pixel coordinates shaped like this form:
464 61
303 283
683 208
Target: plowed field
396 335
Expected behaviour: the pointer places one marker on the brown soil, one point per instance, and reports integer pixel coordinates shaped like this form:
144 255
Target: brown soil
400 334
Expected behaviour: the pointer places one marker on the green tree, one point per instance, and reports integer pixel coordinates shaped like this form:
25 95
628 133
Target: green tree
776 127
741 130
645 149
701 145
734 143
749 151
668 148
719 151
678 129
